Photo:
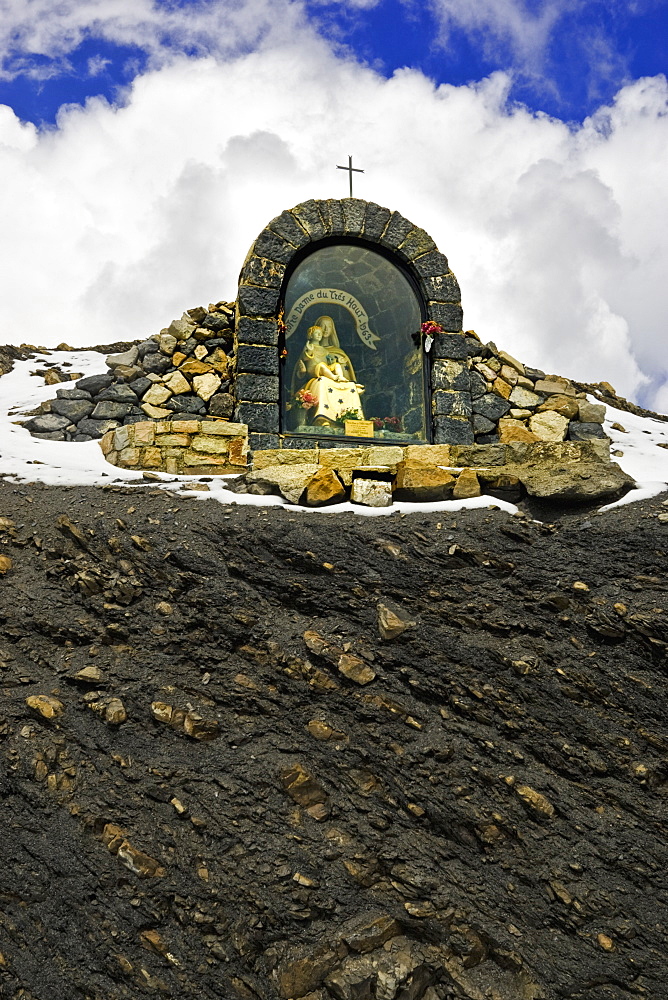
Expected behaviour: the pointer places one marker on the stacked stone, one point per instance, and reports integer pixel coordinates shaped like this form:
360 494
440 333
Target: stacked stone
179 447
377 475
511 402
183 372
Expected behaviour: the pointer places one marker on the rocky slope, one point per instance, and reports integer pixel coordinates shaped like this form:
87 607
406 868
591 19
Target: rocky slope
255 753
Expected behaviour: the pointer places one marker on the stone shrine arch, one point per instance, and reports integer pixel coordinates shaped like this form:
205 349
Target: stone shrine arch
331 299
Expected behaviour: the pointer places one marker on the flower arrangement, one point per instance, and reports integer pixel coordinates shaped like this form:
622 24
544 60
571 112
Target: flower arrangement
387 424
305 400
431 329
351 414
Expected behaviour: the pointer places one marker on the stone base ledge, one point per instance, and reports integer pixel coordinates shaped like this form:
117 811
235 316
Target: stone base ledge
179 447
444 455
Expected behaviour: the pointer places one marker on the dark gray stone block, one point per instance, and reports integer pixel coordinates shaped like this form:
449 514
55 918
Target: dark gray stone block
96 428
273 247
72 394
286 226
396 231
447 314
491 406
478 385
107 410
417 243
186 403
257 388
452 346
452 377
257 331
156 364
261 417
119 393
491 438
354 210
147 347
481 455
474 348
585 432
95 383
216 321
261 442
293 444
375 221
140 386
481 425
48 423
134 418
443 288
448 430
455 404
310 219
432 265
332 215
261 360
74 409
51 435
255 301
222 404
263 272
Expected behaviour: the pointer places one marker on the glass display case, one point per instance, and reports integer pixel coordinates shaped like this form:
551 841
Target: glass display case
355 364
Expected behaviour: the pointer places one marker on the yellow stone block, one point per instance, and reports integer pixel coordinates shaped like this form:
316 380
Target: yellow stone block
287 456
163 427
434 454
238 453
129 457
144 432
467 486
171 465
501 388
172 440
155 412
385 455
112 458
185 426
198 458
225 427
177 383
513 430
344 458
215 445
178 357
123 437
194 367
151 458
107 442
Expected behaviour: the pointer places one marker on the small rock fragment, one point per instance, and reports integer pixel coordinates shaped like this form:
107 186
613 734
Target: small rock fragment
45 705
391 623
115 712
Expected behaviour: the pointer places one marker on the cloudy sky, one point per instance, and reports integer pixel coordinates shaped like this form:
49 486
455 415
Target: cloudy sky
144 144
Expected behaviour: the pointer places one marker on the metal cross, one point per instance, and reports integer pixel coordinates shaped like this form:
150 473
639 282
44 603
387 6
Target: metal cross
351 170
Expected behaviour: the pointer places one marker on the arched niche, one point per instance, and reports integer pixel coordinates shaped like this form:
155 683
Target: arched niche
271 337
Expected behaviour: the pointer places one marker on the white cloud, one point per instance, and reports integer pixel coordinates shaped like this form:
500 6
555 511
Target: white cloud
120 218
54 30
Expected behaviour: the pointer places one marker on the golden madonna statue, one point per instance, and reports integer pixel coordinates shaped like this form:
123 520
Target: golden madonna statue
324 377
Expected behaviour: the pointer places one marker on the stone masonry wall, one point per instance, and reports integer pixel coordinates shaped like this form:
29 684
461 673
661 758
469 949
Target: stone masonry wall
179 447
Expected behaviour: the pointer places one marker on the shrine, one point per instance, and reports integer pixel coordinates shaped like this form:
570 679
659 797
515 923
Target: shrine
342 371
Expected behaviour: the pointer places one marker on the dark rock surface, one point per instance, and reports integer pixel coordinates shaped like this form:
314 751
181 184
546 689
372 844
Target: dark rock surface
252 753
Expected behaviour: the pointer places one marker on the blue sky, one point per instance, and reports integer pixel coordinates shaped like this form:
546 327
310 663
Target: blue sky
566 58
145 143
